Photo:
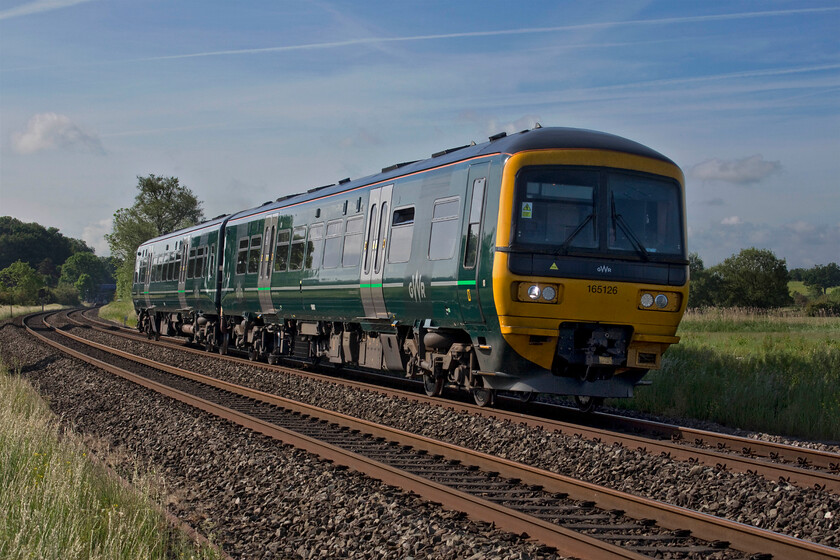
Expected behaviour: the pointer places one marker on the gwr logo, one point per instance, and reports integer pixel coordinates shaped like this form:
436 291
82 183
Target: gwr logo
417 288
604 269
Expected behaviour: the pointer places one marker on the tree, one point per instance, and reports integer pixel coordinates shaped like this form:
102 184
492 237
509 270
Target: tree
86 287
161 206
19 283
85 263
32 243
704 287
822 277
753 278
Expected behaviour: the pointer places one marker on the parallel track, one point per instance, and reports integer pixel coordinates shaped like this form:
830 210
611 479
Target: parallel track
551 508
774 461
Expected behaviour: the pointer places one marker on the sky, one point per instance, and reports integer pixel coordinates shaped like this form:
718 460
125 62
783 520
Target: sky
248 101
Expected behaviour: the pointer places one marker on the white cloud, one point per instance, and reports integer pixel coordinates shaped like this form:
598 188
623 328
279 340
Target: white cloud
731 221
51 130
94 236
37 7
740 171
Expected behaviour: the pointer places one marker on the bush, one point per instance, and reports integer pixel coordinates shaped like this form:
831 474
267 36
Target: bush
824 307
65 294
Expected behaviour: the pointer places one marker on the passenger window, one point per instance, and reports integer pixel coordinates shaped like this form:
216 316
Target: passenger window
353 242
254 254
191 264
332 246
199 262
242 256
471 250
444 233
281 256
402 233
298 244
315 246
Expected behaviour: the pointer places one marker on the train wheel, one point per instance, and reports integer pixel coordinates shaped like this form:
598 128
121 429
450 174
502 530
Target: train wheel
433 386
588 404
483 396
208 345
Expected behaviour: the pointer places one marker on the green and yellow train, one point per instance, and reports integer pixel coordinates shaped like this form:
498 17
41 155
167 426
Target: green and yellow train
547 261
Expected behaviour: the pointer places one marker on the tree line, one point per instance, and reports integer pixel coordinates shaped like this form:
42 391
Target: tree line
39 264
757 278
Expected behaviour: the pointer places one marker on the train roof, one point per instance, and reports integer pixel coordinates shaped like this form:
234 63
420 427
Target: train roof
192 229
532 139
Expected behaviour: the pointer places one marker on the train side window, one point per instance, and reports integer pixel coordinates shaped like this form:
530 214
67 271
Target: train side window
471 250
315 246
254 254
242 256
298 245
268 245
444 231
210 269
199 262
281 255
178 272
170 267
402 233
353 241
191 264
332 246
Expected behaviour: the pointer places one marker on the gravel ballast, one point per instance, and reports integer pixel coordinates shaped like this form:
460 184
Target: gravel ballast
254 497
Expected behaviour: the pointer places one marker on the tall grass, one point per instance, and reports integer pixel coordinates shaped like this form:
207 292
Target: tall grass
16 310
776 372
121 311
57 504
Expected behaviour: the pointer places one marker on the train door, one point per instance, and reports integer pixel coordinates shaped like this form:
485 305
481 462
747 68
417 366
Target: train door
148 280
266 265
469 282
181 273
373 256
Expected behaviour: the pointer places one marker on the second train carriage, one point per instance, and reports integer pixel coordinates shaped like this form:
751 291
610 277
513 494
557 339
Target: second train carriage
548 261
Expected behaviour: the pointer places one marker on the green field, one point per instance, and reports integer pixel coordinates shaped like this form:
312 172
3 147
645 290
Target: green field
57 504
773 372
120 312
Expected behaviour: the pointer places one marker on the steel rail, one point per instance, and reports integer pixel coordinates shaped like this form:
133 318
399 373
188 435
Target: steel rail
741 537
745 463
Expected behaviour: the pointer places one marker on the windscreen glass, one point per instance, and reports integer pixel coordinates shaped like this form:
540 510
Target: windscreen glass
591 211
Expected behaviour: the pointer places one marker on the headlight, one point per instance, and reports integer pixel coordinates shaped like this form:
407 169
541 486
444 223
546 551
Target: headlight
647 300
661 301
534 292
549 293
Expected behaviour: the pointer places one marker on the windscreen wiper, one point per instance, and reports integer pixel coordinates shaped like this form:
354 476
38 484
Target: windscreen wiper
564 247
618 219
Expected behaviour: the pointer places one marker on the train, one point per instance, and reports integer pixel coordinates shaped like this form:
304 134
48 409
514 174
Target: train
547 261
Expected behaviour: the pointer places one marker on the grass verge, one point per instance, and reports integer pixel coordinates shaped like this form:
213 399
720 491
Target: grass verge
17 310
57 504
776 373
121 312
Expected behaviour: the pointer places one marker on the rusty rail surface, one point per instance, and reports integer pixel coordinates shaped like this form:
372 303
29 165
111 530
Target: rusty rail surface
703 526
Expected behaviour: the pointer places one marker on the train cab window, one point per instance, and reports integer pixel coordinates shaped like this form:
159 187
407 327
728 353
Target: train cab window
315 246
353 241
242 256
402 233
191 264
644 215
332 245
254 254
444 230
298 245
471 250
281 255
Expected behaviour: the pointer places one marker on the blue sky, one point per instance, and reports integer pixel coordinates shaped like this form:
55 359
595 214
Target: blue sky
247 101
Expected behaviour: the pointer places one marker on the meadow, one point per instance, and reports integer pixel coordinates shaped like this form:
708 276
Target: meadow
776 372
58 504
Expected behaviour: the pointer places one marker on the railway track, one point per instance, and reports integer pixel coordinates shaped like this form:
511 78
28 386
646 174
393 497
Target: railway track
774 461
577 518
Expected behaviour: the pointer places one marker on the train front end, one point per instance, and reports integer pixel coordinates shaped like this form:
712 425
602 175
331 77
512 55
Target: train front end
590 276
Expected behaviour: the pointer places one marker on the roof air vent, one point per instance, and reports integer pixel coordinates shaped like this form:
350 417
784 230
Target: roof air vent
497 136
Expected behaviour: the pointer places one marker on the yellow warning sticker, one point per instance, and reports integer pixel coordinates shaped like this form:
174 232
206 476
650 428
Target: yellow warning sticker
553 266
527 209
